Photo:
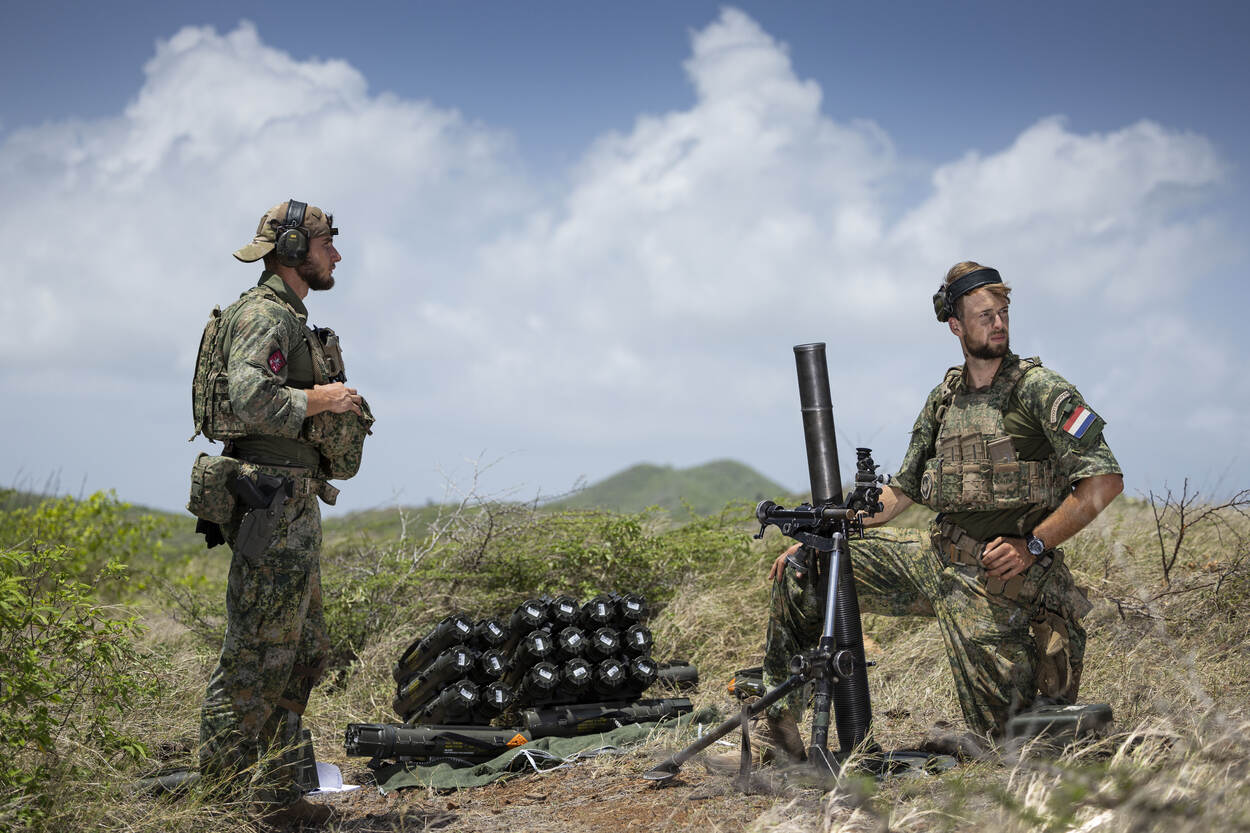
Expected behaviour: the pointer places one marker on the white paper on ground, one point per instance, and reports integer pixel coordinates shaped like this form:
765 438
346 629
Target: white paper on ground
330 780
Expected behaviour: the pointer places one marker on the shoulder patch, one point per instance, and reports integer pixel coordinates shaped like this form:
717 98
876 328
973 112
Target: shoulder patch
277 361
1056 404
1079 421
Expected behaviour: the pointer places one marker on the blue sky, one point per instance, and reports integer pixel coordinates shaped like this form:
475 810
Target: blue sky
594 215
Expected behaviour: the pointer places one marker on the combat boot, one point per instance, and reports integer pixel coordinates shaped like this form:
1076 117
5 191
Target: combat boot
781 734
773 740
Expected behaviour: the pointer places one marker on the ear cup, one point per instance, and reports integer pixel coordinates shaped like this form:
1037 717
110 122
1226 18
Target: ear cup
291 245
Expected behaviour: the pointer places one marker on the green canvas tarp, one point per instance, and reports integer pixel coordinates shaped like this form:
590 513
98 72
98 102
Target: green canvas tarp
537 755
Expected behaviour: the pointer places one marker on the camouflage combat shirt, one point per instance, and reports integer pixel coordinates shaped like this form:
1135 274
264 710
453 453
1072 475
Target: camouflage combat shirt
1036 413
269 366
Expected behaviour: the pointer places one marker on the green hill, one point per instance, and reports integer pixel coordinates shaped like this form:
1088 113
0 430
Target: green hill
706 488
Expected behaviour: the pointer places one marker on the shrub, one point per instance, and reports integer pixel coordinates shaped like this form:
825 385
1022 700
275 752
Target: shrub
69 667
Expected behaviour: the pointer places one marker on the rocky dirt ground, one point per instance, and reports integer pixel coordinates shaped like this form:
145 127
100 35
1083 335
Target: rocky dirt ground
603 794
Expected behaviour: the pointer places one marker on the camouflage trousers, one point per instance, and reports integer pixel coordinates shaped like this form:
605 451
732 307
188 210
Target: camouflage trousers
274 650
992 641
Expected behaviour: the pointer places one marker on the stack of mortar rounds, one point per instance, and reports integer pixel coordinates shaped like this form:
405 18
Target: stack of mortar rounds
452 674
551 651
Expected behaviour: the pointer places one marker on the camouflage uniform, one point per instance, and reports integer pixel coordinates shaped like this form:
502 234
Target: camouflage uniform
275 647
1003 639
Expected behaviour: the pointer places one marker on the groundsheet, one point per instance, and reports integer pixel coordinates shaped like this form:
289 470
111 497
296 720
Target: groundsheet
537 755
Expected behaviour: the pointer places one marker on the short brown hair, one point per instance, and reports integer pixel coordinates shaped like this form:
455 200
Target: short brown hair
966 267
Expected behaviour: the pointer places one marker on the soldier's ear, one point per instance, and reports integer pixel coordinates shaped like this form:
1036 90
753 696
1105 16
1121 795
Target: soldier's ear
956 327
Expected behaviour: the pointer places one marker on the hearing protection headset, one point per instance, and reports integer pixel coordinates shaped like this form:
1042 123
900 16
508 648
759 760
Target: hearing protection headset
291 244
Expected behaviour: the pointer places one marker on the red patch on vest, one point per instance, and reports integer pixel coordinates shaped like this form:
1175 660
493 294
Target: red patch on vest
277 361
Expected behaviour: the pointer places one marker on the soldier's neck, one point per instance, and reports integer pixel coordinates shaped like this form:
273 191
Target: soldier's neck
292 279
980 372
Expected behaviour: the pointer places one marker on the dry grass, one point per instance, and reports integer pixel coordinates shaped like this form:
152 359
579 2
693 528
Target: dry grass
1171 656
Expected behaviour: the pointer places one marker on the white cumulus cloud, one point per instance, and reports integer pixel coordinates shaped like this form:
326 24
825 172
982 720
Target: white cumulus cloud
640 307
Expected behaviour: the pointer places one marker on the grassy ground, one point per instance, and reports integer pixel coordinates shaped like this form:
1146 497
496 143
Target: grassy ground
1169 650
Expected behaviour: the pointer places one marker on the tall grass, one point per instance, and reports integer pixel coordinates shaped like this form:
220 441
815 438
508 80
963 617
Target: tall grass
1168 650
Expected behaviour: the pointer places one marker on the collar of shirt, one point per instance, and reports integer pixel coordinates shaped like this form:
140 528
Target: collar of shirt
274 281
1009 359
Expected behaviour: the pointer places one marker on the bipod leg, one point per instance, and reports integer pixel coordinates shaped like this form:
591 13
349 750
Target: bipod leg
743 782
668 768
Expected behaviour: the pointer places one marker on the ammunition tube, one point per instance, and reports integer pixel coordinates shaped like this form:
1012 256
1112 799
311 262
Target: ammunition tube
535 647
563 611
587 718
530 615
495 699
636 641
575 677
570 643
641 673
598 612
451 665
679 675
602 644
489 633
425 743
539 683
609 677
453 630
455 704
631 609
488 666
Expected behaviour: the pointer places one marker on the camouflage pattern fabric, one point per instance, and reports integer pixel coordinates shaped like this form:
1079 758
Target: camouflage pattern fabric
275 645
1035 411
274 650
338 438
992 651
268 365
976 466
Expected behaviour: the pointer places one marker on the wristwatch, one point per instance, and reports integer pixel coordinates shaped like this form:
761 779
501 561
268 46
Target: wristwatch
1035 545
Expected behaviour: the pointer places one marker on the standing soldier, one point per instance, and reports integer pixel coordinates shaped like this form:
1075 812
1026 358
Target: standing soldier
273 390
1014 462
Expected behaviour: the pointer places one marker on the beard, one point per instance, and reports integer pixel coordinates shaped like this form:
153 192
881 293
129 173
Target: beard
317 277
986 350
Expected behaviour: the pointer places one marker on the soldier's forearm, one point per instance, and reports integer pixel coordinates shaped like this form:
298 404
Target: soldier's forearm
894 502
1089 498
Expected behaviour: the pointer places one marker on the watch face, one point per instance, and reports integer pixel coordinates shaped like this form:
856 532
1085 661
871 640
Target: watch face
1036 547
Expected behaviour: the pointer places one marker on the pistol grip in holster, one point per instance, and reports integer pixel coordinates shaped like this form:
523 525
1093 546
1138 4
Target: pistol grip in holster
265 495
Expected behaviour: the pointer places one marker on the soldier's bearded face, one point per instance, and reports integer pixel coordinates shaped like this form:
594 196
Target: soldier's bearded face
984 327
317 270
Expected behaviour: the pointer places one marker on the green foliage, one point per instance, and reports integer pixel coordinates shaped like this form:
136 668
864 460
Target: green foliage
587 552
69 667
490 557
94 533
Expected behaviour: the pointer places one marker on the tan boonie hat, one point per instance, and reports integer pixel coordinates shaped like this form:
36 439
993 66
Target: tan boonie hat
316 222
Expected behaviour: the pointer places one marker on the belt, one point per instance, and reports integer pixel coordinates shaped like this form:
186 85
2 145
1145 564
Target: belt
306 479
956 545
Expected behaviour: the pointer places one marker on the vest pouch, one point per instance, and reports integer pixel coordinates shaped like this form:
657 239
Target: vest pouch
211 499
222 424
340 438
1053 674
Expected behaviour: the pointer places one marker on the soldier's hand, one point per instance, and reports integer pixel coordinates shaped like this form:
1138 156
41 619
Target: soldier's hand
336 397
1006 557
779 566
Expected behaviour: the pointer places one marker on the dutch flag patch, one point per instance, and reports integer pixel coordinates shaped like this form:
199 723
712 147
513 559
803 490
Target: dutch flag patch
1080 421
